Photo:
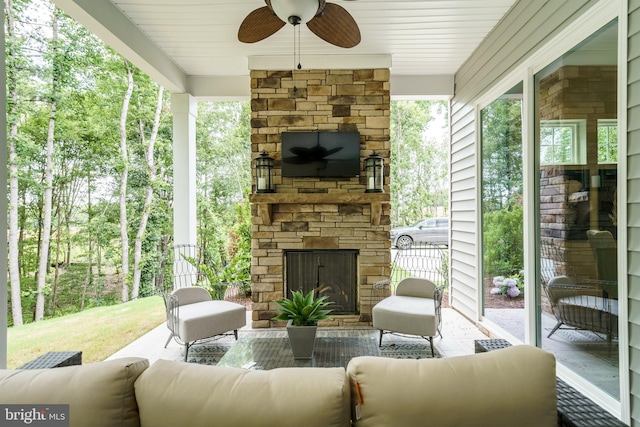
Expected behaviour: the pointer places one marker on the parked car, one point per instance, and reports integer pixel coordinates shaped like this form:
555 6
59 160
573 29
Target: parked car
428 230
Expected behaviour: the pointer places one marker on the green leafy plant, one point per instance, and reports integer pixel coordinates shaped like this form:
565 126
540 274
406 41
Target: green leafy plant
503 241
303 310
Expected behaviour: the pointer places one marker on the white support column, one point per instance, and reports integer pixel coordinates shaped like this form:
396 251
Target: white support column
185 110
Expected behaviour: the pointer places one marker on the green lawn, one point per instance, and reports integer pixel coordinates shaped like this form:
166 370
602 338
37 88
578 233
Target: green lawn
97 332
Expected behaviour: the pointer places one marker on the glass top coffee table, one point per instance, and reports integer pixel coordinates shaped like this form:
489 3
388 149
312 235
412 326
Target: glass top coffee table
334 348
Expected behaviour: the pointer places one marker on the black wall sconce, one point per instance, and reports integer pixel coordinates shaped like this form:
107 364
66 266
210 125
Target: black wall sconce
264 173
374 168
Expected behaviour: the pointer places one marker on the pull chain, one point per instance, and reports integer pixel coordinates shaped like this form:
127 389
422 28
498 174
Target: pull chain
296 48
299 64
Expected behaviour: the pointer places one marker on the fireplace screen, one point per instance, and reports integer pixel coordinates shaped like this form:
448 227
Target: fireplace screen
333 273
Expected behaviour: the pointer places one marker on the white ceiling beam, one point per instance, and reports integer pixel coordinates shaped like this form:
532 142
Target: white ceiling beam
319 62
426 87
238 88
104 20
220 88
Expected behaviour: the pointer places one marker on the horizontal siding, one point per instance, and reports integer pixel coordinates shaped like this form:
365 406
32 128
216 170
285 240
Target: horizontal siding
633 202
524 29
635 134
463 210
528 25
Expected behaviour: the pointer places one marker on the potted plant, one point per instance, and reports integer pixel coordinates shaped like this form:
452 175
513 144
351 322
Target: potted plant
302 313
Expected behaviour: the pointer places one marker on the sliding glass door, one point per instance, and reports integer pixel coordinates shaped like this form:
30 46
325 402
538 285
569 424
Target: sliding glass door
576 141
502 213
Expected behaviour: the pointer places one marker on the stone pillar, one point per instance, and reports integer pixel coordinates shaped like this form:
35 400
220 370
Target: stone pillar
311 213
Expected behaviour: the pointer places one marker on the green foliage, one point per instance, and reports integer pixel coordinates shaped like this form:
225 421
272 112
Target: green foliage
214 281
303 310
90 82
501 153
502 180
419 153
218 273
239 269
503 241
223 182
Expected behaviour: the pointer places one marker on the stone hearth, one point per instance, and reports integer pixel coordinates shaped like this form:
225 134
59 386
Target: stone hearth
319 213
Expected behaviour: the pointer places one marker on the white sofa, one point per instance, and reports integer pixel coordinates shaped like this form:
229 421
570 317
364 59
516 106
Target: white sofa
512 386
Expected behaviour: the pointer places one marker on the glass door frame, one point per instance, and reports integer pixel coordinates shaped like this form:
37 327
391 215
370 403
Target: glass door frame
582 28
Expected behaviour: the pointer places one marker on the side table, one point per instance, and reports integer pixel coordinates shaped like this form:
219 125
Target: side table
54 359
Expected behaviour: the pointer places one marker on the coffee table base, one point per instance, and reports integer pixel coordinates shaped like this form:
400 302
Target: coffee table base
261 353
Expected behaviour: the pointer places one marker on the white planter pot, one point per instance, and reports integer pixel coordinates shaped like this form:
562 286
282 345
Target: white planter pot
302 339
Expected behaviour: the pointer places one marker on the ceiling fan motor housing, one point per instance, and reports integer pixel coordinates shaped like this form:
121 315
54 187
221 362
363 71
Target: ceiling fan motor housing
295 11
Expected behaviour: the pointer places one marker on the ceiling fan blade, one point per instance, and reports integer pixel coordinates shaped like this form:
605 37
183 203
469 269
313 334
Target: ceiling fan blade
336 26
258 25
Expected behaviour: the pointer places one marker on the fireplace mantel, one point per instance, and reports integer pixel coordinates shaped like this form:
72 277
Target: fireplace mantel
265 201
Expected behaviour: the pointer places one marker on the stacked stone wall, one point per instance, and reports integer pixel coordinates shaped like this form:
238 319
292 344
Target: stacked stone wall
319 213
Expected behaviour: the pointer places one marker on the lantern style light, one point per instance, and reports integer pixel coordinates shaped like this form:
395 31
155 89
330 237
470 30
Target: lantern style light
374 168
264 173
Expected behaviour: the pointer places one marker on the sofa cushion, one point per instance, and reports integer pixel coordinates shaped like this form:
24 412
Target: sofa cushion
178 394
98 394
515 386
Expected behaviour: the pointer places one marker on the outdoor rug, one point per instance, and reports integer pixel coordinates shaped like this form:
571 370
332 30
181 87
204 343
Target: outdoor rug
334 347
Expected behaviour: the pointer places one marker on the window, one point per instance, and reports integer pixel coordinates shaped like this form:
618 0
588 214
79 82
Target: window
430 223
607 141
562 142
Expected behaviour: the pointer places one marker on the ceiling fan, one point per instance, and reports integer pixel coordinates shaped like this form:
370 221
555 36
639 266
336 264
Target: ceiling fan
329 21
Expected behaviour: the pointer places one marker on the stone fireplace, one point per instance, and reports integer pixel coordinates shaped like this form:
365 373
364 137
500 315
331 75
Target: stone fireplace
319 217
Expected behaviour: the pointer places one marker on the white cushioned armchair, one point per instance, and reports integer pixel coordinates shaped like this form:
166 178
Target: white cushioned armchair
192 315
415 309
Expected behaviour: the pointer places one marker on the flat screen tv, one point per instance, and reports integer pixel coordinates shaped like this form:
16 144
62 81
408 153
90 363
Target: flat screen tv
320 154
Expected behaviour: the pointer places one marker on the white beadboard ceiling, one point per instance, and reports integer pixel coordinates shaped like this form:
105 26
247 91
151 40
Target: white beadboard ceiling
199 37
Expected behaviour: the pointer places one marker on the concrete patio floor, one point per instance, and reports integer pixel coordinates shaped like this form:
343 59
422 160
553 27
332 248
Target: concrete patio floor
457 331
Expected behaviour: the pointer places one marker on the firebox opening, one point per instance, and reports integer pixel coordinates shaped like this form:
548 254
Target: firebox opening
333 273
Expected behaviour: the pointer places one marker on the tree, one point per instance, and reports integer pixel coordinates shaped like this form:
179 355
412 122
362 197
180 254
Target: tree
151 170
124 172
90 165
419 153
501 153
223 174
502 181
15 70
56 77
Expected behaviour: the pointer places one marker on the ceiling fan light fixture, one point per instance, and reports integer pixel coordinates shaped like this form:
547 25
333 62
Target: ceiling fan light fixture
295 12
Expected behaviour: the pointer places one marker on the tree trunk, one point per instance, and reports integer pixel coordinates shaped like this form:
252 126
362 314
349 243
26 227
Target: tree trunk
14 264
123 183
89 277
22 220
151 170
56 275
48 190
